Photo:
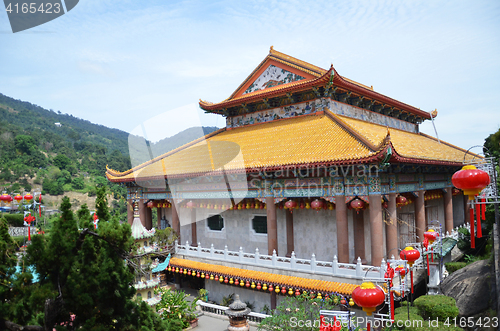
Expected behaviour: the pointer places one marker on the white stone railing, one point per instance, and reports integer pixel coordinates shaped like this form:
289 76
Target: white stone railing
221 310
328 268
147 284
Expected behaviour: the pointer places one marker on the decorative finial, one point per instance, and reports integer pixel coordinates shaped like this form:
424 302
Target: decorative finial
271 49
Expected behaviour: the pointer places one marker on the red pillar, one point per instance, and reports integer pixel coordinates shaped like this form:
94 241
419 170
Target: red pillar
420 216
149 217
448 210
376 229
272 226
342 229
289 233
359 235
391 227
142 212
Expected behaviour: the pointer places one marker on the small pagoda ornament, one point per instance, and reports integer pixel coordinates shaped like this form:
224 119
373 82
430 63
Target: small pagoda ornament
237 313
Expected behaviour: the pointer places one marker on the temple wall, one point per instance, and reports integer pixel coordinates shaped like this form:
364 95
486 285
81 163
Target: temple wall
458 210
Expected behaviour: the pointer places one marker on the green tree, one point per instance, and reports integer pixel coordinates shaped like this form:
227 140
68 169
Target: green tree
61 161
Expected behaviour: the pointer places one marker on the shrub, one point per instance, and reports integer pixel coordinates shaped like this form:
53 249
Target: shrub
404 310
14 219
400 319
436 306
454 266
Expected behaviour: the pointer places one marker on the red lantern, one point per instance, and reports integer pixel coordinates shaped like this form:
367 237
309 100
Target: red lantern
190 204
270 288
236 282
357 205
471 180
207 276
198 274
297 292
5 197
385 205
19 197
226 280
400 200
409 254
431 235
368 296
247 284
259 286
401 270
317 204
150 204
28 197
283 290
290 204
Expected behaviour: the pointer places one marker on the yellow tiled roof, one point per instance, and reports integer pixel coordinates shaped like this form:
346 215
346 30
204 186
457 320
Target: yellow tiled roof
266 277
299 140
407 144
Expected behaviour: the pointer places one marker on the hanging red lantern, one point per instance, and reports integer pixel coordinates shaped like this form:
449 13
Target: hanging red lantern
400 200
4 197
317 205
262 206
290 204
283 290
297 292
409 254
259 286
431 235
150 204
190 204
28 197
207 276
19 197
357 204
368 297
270 288
236 282
401 270
247 284
471 180
189 272
226 280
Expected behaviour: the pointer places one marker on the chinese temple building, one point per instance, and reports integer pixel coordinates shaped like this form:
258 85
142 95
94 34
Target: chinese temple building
311 166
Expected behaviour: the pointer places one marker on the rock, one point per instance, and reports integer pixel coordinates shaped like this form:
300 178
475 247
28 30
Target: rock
473 287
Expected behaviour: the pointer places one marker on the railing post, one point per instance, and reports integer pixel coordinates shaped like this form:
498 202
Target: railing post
313 262
335 265
257 256
225 252
293 261
359 270
199 248
274 258
382 268
240 254
212 250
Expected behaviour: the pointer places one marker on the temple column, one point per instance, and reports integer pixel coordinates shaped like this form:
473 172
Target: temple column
376 222
158 217
272 226
391 227
342 229
149 217
289 233
176 225
194 237
420 216
142 212
376 229
130 211
359 235
448 210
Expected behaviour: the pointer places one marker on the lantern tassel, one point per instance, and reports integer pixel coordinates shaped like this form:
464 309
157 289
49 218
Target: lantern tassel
428 272
483 209
478 216
411 279
472 236
368 325
392 305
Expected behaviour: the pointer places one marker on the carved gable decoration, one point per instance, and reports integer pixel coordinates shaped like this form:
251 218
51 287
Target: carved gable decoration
272 76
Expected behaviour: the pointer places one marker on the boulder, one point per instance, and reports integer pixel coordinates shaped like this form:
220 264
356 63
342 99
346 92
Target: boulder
473 287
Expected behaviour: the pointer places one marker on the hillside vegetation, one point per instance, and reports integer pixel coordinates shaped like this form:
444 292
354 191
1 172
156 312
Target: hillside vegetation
70 156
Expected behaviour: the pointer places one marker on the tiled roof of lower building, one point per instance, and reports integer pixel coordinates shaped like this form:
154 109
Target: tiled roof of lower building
293 282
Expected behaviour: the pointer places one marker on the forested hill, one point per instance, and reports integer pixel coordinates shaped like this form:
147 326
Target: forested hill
68 156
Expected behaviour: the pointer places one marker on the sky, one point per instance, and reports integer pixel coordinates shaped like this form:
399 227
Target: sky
124 63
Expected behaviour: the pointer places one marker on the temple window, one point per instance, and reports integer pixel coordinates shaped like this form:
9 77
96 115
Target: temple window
215 223
259 224
149 295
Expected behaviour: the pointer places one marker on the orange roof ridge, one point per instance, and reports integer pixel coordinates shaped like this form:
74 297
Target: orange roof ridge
351 130
319 71
162 156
